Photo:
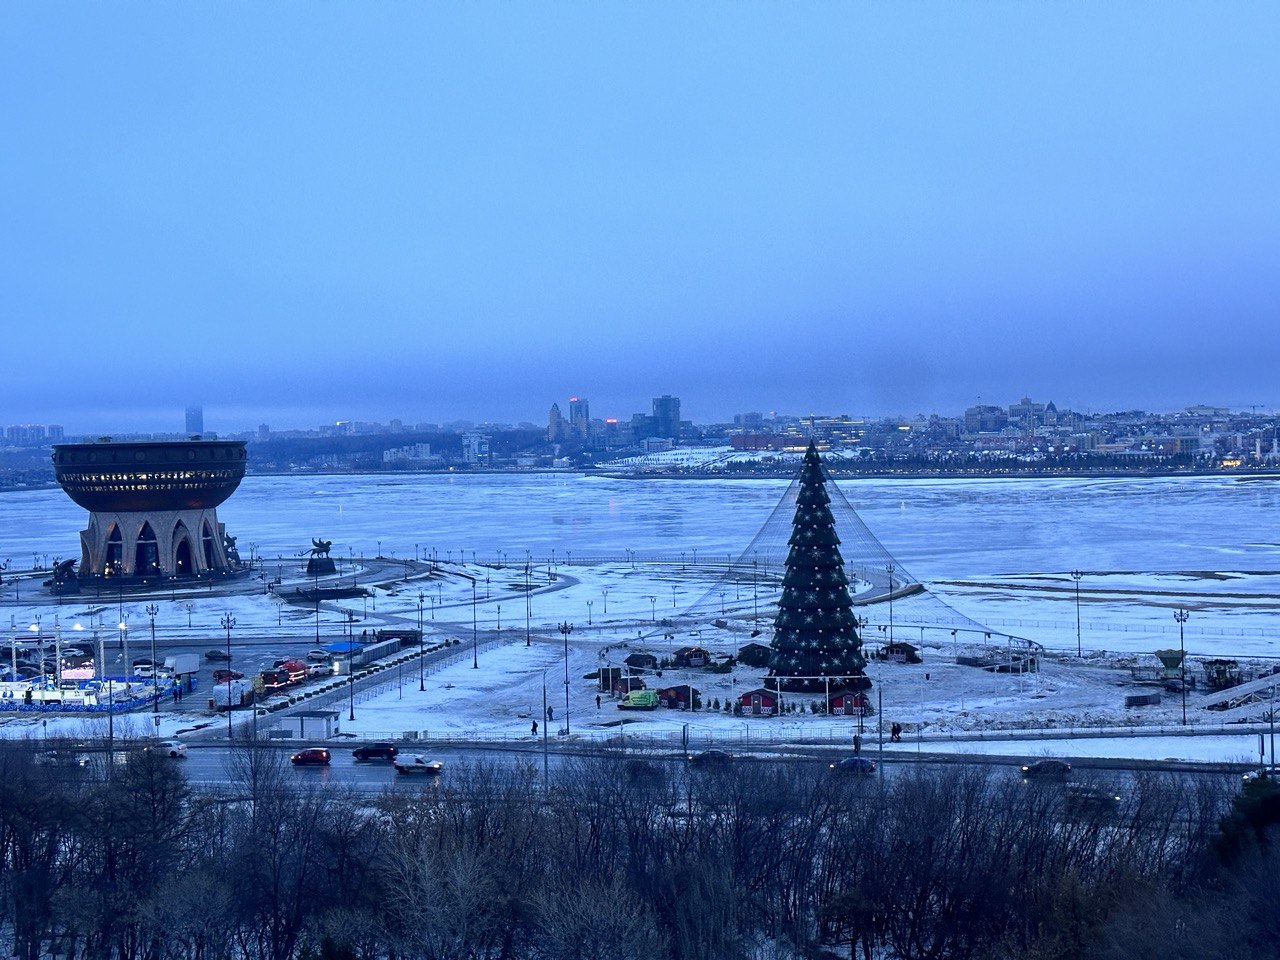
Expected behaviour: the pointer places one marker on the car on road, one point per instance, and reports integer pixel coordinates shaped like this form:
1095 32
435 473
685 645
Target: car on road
710 758
1049 769
222 676
371 752
144 671
318 656
416 763
855 765
311 757
1269 773
320 670
217 656
61 758
168 748
1084 798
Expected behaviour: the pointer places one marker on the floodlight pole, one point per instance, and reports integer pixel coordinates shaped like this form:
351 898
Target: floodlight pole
1076 575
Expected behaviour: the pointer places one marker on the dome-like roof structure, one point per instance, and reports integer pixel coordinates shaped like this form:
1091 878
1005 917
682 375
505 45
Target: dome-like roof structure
150 474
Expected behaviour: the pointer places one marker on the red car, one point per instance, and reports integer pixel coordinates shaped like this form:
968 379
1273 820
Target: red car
222 676
311 757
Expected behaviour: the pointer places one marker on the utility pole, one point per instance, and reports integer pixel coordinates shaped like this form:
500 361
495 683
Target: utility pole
1076 575
1181 616
566 628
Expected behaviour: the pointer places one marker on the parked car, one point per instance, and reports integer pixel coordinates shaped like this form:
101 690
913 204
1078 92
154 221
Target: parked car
222 676
710 758
1046 770
320 670
375 751
1269 773
318 656
217 656
144 671
169 748
416 763
312 756
856 765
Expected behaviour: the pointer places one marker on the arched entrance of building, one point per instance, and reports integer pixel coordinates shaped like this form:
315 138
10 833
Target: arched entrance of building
182 552
146 556
114 564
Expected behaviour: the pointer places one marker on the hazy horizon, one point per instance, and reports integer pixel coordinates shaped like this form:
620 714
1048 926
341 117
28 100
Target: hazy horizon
295 214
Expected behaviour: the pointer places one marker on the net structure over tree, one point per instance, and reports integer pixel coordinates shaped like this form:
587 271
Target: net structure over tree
815 636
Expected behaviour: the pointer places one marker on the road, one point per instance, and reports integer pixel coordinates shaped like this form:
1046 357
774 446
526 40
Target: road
212 766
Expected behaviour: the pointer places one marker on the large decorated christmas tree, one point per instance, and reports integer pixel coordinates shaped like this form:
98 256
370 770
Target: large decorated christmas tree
815 639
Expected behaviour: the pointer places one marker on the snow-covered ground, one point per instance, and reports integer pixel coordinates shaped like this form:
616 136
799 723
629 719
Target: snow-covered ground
626 555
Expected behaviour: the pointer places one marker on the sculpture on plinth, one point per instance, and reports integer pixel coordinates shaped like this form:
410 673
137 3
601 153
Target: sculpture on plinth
320 563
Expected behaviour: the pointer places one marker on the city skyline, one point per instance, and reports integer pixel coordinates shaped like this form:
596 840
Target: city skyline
876 208
574 426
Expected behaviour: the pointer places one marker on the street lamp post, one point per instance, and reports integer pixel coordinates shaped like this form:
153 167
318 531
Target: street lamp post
351 677
653 609
605 594
1076 575
152 610
589 613
1181 616
528 601
889 568
755 592
566 628
422 650
475 655
228 621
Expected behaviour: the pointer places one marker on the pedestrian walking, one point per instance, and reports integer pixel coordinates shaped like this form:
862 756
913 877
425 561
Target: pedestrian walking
533 729
857 743
597 701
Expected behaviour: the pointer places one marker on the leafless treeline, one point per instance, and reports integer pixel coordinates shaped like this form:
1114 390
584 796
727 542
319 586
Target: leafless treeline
619 860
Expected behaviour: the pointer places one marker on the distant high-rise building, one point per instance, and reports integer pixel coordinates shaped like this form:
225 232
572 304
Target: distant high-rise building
264 431
666 415
195 421
579 417
555 424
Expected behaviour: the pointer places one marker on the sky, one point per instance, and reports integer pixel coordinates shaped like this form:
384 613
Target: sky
293 213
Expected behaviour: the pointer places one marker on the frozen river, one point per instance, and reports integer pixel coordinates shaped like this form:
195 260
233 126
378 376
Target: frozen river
939 529
999 550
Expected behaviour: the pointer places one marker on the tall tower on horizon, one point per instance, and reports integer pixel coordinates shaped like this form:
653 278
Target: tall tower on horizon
579 416
195 421
666 416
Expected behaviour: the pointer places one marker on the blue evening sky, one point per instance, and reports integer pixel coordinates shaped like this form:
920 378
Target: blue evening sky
300 212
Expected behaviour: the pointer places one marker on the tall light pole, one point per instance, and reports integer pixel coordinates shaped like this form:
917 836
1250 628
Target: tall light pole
475 655
152 610
566 628
124 646
653 609
228 621
889 568
1076 575
528 602
589 613
605 594
422 650
1181 616
755 592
